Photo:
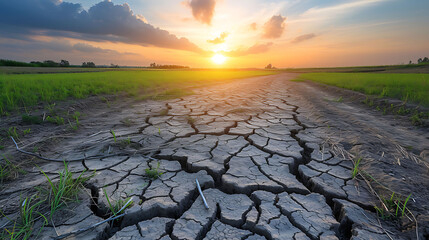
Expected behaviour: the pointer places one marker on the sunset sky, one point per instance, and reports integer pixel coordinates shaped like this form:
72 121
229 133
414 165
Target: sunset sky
248 33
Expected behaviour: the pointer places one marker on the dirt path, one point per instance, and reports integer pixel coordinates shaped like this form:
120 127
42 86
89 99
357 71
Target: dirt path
257 146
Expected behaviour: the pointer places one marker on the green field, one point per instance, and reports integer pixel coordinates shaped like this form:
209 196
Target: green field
26 90
406 87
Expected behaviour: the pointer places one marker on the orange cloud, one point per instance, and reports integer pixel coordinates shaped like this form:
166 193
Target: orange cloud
275 27
220 39
303 38
202 10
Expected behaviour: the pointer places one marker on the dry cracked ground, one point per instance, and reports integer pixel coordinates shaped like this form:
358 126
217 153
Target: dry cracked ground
263 151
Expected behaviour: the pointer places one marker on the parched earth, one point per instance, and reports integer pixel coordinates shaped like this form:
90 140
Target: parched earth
265 151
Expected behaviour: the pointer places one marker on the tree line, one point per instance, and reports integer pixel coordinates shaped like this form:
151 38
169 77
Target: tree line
46 63
424 60
156 66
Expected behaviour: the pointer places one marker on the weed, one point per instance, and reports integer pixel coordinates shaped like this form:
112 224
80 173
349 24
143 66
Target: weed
13 132
402 111
113 134
76 116
384 111
127 122
51 108
1 147
340 99
26 131
356 167
35 149
378 108
23 226
56 120
66 189
119 206
416 120
73 127
5 169
28 119
154 173
8 169
105 100
125 142
395 207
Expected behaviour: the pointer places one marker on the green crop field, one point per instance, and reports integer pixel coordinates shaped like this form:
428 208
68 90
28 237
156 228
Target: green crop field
407 87
25 90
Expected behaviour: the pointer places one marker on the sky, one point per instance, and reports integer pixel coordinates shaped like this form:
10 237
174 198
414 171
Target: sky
246 33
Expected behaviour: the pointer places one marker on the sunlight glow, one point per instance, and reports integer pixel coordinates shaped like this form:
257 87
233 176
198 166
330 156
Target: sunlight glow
219 58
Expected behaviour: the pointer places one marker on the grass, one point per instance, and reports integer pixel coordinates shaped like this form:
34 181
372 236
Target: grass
13 132
56 120
23 226
154 173
406 87
119 206
29 119
65 189
125 142
26 90
113 134
8 169
356 167
396 206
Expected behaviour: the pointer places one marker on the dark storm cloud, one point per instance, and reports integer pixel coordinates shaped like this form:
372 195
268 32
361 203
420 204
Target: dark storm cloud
275 27
220 39
203 10
303 38
255 49
104 21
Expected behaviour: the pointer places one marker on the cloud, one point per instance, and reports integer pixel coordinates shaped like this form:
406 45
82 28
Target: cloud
303 38
220 39
59 46
253 26
342 7
104 21
275 27
322 13
87 48
255 49
203 10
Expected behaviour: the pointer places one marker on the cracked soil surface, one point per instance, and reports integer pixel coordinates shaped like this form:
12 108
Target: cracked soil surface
258 149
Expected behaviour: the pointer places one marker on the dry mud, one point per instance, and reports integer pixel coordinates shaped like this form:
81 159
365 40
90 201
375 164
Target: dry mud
259 149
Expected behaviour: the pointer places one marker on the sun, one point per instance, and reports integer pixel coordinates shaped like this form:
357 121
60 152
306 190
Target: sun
219 58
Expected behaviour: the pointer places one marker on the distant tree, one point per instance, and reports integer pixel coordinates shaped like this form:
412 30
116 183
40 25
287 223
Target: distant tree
426 59
64 63
50 63
269 66
88 65
114 65
420 60
153 65
411 62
